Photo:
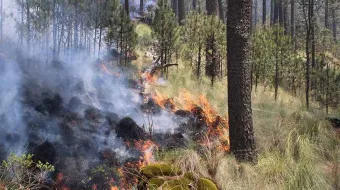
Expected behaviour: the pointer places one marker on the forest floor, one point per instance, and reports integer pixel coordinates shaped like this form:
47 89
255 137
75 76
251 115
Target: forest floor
296 149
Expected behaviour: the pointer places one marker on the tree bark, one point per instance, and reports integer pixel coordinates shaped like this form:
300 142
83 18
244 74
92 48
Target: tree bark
2 20
76 27
127 7
194 4
212 10
175 6
272 12
334 25
286 19
264 12
28 18
326 14
276 12
181 11
141 7
312 26
292 23
242 141
255 13
212 7
221 10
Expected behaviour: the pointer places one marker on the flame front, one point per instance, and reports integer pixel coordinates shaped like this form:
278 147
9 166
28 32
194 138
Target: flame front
147 148
217 125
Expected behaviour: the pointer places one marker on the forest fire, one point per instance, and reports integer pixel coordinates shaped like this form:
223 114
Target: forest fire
147 148
148 77
217 125
59 184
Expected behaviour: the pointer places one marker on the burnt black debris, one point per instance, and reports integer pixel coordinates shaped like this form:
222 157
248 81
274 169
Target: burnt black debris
151 107
128 130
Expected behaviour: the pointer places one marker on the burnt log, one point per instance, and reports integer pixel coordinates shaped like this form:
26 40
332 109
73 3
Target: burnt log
128 130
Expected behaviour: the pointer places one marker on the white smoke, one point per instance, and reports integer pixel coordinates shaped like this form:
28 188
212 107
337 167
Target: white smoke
11 125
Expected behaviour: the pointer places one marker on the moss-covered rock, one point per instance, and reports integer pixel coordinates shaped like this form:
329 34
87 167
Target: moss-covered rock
177 184
168 177
154 183
206 184
155 170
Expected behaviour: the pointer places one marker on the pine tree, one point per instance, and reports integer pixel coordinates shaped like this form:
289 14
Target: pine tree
242 140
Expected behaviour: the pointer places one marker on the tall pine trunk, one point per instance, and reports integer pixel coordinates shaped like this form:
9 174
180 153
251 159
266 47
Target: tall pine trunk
242 140
28 23
141 7
194 4
264 12
221 10
175 6
127 7
181 11
2 20
212 10
326 14
334 25
255 14
292 23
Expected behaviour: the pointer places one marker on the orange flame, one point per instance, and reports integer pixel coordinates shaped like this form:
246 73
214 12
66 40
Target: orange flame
149 77
217 125
164 101
147 148
114 188
59 182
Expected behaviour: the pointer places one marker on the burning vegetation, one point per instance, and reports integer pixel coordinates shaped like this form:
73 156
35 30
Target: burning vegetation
98 131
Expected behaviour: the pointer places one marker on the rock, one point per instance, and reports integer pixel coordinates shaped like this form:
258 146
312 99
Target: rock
155 183
178 184
206 184
129 130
